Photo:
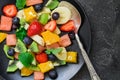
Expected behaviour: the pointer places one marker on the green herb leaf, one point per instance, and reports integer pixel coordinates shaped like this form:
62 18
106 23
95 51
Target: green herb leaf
21 33
26 59
20 4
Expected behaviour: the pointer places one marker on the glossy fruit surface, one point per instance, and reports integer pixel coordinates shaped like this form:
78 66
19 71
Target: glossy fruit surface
34 28
42 57
11 52
16 20
27 40
38 7
10 10
53 74
55 15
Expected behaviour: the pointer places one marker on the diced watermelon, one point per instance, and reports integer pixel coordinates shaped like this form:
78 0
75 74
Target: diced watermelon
6 23
38 76
33 2
41 48
65 41
11 40
54 45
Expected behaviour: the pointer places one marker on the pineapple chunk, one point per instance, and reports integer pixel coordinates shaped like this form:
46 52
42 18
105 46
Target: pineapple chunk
45 67
71 57
50 37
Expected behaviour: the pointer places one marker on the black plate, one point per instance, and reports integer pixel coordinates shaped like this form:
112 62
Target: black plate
65 72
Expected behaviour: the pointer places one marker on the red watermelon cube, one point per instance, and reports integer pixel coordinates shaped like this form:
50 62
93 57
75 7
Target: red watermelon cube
33 2
6 23
11 40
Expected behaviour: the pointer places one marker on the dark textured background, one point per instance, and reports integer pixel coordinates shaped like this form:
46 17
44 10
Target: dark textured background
104 16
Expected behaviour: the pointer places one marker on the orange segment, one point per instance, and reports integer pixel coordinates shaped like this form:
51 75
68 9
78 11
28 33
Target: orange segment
26 72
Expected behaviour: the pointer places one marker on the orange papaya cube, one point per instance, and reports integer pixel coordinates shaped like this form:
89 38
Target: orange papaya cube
33 2
11 40
6 23
50 37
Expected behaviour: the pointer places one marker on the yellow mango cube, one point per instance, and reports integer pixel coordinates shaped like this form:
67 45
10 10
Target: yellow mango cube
26 72
30 14
2 36
71 57
45 67
50 37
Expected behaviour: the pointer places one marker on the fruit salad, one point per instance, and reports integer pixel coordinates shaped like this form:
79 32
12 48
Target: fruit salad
40 34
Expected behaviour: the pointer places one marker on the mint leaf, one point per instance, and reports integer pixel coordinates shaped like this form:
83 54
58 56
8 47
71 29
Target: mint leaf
26 59
20 4
21 33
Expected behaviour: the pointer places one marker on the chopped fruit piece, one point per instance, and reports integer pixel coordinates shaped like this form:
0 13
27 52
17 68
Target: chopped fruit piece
12 66
45 67
62 55
20 47
6 48
65 41
2 36
69 26
54 45
6 23
26 71
53 74
38 39
50 37
21 15
52 4
34 68
38 75
33 2
16 55
41 48
30 14
51 26
57 31
71 57
34 28
65 14
42 57
11 40
43 19
10 10
34 47
19 65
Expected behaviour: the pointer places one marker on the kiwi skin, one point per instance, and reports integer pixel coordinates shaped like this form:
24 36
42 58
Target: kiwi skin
34 47
20 46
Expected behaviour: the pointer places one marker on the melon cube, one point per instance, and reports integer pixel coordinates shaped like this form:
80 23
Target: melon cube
11 40
65 41
38 75
33 2
6 23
